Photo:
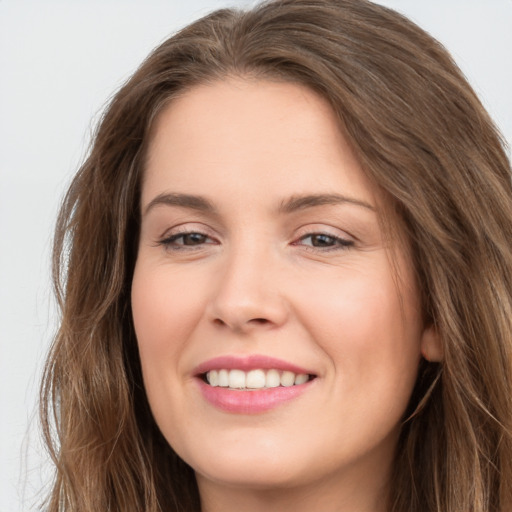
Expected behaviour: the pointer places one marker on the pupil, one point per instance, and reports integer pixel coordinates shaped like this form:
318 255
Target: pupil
322 240
193 239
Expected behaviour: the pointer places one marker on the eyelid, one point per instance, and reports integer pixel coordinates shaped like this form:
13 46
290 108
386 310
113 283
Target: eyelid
187 227
339 243
324 229
342 240
168 237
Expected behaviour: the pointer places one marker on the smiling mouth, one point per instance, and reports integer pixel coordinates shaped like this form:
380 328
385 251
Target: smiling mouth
251 380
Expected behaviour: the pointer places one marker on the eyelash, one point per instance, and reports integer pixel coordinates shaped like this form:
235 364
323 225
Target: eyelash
169 242
336 243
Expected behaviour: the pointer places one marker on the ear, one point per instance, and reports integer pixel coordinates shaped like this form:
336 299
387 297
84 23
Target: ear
431 347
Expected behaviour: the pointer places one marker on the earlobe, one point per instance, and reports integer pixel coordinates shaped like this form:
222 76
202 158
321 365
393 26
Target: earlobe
431 347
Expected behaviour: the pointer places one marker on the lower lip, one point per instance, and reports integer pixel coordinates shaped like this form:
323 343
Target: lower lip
250 402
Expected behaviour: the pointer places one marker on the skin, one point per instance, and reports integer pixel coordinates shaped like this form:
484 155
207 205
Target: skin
258 281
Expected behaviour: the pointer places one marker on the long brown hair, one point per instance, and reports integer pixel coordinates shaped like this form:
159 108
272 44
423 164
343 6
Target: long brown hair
422 136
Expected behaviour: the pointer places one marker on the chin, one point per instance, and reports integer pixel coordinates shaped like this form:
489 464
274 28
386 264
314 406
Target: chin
246 475
256 467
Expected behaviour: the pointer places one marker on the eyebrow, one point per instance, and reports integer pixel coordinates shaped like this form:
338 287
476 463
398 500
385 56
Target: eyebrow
308 201
291 205
192 202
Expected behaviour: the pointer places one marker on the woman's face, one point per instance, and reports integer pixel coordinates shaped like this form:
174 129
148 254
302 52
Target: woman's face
262 263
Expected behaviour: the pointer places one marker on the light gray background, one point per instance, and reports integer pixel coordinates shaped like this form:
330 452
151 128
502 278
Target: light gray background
59 63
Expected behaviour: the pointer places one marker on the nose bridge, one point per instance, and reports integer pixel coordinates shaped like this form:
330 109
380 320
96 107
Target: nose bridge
247 292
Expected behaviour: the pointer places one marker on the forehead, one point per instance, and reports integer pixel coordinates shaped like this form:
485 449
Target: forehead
269 138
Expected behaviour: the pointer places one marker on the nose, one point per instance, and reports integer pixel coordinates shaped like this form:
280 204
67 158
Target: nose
248 293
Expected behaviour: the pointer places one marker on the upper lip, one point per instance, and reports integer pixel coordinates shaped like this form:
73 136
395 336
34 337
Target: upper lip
247 363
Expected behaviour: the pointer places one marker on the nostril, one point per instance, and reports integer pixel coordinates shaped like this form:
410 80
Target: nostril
240 325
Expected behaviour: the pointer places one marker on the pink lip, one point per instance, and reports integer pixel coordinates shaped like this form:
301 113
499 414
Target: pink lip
250 402
254 401
247 363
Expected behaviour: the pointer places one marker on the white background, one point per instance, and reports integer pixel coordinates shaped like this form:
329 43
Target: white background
59 63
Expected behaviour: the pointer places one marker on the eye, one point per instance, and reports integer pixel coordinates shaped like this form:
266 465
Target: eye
186 240
319 241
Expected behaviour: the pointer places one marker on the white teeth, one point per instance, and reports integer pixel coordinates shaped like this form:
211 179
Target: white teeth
254 379
213 378
223 378
287 379
301 378
273 379
237 379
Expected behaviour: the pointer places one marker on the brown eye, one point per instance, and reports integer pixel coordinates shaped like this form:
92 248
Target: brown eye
193 238
186 240
324 241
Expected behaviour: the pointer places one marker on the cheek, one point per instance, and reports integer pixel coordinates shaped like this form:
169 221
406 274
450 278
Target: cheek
164 304
369 328
165 310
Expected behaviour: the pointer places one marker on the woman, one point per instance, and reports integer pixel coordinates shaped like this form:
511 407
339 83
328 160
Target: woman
285 277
